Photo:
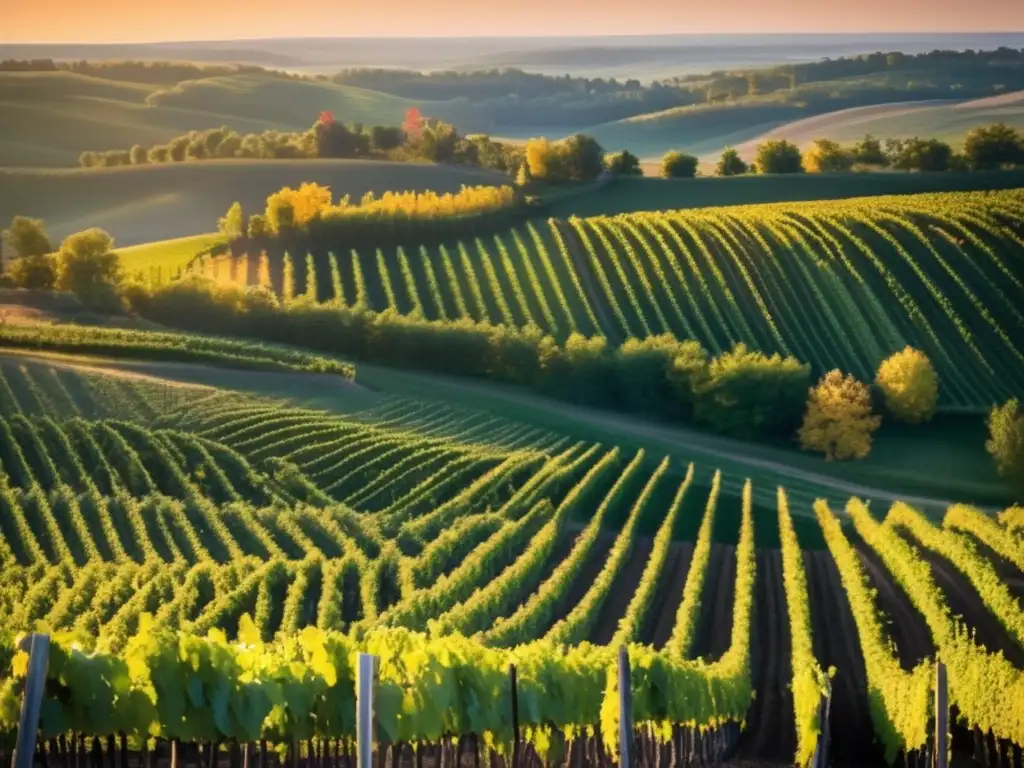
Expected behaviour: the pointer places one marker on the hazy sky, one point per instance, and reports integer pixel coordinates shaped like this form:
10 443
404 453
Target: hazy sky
142 20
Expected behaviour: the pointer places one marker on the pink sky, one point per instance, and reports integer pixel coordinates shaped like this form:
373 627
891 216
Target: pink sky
132 20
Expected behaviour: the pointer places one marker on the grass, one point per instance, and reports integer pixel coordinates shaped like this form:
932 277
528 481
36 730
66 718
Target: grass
144 204
168 256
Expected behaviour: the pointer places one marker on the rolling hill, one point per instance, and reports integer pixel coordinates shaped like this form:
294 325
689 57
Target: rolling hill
140 204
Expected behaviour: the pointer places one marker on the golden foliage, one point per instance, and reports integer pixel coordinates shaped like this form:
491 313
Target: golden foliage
296 207
538 158
910 386
838 421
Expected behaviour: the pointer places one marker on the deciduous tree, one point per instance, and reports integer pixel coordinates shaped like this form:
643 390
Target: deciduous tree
838 421
624 163
731 164
993 146
910 386
679 165
1006 442
88 266
779 156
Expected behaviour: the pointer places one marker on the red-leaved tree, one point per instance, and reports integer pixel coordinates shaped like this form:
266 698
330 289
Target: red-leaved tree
413 125
326 117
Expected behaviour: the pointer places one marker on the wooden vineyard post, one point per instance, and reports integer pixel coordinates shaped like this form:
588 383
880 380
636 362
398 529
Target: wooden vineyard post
514 690
367 682
625 710
941 759
820 759
38 649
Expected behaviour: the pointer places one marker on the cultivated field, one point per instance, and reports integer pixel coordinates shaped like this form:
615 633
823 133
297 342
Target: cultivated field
838 284
130 495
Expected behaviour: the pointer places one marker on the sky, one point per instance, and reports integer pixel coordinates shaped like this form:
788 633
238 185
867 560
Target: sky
134 21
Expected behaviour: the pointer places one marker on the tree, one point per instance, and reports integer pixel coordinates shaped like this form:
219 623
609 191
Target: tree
748 394
27 237
383 137
625 163
919 154
412 126
868 151
177 149
679 165
826 156
730 164
910 386
538 158
778 156
36 273
522 176
232 223
838 421
88 267
138 155
993 146
257 225
582 158
1006 442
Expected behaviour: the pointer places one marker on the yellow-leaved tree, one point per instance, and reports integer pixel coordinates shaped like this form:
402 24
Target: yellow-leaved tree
838 421
910 385
538 158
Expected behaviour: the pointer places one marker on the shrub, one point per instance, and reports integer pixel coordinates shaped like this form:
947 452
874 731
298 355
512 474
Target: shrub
779 156
731 164
232 223
748 394
27 237
1006 442
909 385
679 165
838 421
658 375
138 155
34 272
625 163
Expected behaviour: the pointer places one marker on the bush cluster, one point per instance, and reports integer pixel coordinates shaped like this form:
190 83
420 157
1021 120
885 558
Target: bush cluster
741 393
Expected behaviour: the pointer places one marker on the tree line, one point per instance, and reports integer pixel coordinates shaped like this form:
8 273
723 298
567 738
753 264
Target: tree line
419 138
985 148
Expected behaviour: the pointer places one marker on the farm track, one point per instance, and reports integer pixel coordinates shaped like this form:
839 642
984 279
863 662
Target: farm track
964 601
836 644
668 595
618 601
716 608
906 626
771 730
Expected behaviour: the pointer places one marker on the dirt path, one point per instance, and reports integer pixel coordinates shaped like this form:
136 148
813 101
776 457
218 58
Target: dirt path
590 290
836 643
771 730
618 601
668 595
714 628
700 445
585 578
906 626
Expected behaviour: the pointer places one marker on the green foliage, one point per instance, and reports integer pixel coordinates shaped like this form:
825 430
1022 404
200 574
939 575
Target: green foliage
88 267
232 224
749 394
994 146
679 165
917 154
1006 442
34 272
778 156
26 237
624 163
731 164
868 151
827 156
577 158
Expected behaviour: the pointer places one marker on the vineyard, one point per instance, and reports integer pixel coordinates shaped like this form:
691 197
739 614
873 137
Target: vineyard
837 284
210 562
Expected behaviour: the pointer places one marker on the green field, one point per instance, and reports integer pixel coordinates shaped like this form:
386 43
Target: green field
166 257
143 204
837 284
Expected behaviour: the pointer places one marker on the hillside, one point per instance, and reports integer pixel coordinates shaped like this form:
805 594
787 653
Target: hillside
143 493
839 284
946 120
140 204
